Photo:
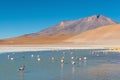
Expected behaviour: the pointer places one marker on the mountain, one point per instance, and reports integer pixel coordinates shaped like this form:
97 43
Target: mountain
62 32
76 26
107 35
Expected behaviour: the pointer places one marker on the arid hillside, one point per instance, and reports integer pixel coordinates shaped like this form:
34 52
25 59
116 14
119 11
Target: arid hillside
56 39
109 34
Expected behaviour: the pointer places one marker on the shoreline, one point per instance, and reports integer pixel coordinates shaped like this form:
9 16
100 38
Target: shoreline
26 48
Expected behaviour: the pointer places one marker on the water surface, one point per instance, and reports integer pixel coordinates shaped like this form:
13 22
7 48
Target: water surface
98 66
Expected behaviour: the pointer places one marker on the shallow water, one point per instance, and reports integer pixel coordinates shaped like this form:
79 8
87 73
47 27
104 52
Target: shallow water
98 66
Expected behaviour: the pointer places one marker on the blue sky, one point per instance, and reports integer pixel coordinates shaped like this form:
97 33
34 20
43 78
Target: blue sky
18 17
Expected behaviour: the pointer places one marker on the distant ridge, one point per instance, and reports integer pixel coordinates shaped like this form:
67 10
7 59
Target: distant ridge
76 26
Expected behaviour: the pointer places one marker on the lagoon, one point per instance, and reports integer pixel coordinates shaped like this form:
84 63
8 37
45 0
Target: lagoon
98 66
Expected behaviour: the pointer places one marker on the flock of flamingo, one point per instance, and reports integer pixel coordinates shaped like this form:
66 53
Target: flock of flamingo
93 52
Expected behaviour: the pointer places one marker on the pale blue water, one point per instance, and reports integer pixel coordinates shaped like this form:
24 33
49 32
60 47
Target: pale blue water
102 67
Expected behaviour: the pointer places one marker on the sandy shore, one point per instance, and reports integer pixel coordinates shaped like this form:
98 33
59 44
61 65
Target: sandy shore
23 48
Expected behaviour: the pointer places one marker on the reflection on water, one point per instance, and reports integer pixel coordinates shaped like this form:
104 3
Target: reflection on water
73 72
62 71
77 65
21 73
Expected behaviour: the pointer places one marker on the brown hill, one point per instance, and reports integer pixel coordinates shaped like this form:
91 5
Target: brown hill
36 40
61 32
104 35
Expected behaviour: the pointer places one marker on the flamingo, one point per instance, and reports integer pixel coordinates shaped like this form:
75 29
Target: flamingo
73 62
32 55
53 58
85 58
62 60
11 58
72 58
80 59
22 68
38 59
